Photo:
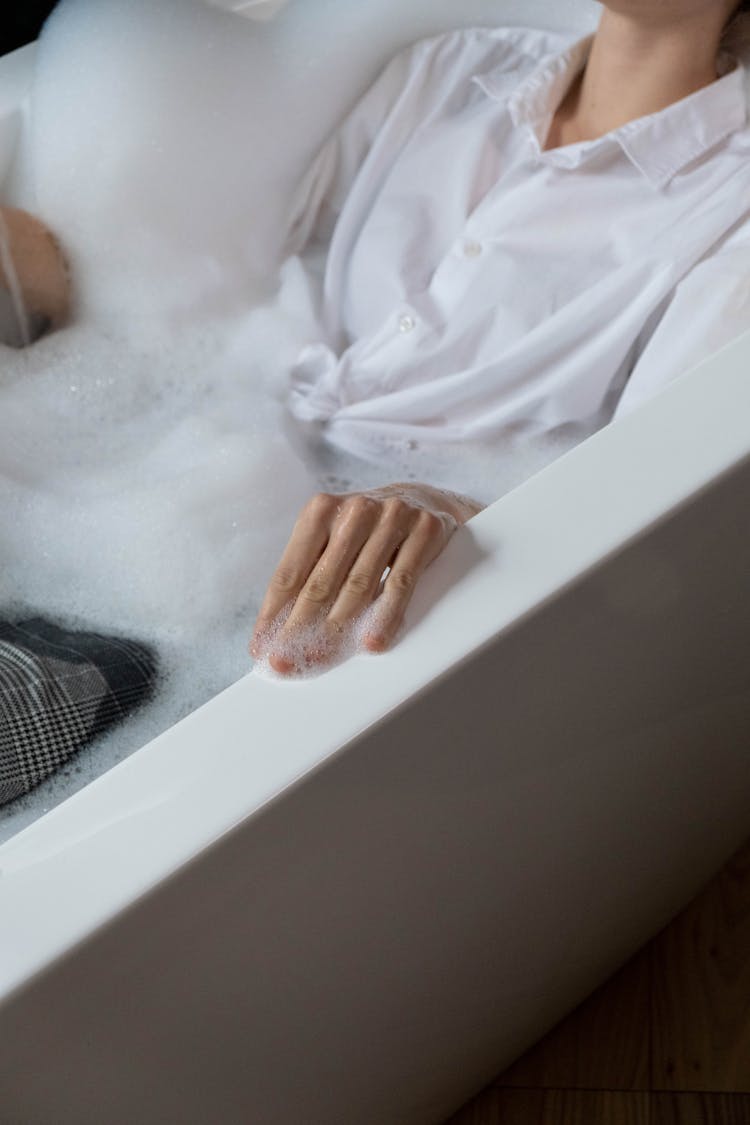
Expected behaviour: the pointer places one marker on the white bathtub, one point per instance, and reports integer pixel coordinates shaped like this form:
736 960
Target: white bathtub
354 899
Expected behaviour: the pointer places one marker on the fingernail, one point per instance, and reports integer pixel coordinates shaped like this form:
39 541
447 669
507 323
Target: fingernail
280 665
375 642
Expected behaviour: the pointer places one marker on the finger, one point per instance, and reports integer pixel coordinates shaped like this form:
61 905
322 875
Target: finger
307 621
363 580
427 539
348 536
305 547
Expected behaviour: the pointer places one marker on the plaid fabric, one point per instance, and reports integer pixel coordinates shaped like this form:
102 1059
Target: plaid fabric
58 691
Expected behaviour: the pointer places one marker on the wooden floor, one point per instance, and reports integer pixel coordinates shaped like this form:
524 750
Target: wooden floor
665 1042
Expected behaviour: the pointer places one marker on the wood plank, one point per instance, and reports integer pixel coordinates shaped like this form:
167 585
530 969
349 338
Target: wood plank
700 1020
554 1107
700 1109
602 1045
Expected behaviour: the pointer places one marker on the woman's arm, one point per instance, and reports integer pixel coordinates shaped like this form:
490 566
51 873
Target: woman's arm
331 570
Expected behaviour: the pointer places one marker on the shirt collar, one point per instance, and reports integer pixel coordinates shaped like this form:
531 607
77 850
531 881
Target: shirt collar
659 145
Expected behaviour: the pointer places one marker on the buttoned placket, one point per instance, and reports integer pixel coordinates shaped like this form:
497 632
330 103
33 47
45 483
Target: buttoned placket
457 267
462 265
472 248
402 329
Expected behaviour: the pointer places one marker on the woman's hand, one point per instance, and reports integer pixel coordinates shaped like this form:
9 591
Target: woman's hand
332 570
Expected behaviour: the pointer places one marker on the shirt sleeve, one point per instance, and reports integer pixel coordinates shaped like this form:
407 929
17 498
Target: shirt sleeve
324 187
708 309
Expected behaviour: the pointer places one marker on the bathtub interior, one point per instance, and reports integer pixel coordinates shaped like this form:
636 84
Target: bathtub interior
103 128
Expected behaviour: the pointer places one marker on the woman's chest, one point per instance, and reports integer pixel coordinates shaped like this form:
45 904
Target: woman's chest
474 216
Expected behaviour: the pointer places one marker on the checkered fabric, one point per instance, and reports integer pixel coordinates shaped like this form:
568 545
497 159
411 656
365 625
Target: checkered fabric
58 691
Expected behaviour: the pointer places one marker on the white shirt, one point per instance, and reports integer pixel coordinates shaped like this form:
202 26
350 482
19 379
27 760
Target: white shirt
475 286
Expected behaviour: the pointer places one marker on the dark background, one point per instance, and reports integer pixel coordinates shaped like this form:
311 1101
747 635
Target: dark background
21 21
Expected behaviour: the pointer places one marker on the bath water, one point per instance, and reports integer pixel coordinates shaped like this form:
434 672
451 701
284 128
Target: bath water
148 482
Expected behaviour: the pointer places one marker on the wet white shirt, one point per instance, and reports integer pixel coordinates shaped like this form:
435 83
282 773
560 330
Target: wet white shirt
475 286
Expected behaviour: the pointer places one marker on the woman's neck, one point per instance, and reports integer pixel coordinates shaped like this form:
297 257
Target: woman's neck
635 68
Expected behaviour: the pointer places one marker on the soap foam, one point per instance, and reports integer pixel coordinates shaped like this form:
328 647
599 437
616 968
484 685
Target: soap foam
147 486
313 647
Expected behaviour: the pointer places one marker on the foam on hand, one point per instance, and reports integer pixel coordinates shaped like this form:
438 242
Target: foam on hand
312 647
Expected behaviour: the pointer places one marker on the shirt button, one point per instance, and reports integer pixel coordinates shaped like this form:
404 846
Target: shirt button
472 249
406 323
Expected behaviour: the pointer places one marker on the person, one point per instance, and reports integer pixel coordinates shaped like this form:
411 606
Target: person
507 235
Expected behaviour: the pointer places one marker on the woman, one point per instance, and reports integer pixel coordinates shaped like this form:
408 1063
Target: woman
512 231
